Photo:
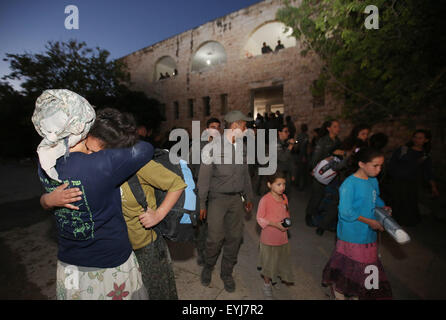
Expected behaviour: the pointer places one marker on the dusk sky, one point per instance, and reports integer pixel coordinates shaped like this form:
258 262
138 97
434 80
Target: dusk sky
121 27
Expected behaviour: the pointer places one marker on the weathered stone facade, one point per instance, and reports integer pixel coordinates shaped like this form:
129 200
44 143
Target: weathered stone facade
237 78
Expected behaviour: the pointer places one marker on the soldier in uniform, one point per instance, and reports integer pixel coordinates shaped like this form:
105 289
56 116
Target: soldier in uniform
225 185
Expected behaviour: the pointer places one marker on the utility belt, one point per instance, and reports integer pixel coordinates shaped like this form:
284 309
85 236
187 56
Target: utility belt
230 193
215 194
241 194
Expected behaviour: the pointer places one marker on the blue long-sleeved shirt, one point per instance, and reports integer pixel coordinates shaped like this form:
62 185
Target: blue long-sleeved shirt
96 234
357 197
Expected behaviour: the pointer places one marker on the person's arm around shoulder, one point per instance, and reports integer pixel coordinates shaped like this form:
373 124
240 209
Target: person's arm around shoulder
125 162
61 197
134 157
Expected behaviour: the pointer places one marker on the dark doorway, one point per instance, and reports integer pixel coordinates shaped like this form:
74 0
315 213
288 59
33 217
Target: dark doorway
269 99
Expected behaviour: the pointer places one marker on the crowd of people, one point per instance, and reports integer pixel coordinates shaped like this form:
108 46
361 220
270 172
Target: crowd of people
86 157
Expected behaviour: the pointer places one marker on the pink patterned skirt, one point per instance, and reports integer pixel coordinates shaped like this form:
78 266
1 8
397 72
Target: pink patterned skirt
355 270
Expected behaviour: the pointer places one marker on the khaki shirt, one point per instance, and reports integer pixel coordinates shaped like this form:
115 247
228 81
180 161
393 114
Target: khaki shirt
223 178
152 175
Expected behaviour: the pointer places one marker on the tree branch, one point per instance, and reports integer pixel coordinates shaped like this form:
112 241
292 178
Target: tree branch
337 81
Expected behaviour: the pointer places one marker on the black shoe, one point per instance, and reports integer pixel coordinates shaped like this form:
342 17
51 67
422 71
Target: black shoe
229 283
206 276
320 231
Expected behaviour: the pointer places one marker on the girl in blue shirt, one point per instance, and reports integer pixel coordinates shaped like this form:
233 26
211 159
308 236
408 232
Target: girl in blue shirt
354 270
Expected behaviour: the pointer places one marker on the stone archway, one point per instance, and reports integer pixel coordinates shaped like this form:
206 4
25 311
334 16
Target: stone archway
269 32
165 64
208 55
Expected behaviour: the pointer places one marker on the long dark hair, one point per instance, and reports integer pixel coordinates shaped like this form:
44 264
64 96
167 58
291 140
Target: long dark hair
325 126
353 141
116 129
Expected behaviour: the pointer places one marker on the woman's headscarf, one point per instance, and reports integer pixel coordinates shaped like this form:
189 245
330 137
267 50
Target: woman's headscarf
62 118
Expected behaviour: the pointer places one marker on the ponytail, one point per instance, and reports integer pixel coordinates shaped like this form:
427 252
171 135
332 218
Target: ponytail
363 155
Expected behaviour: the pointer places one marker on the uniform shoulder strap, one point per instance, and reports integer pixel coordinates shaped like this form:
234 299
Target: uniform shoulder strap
137 191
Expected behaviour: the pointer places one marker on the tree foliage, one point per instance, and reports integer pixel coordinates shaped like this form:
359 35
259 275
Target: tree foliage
74 66
70 65
394 72
18 136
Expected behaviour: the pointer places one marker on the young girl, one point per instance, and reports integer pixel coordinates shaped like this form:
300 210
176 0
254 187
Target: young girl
274 257
350 268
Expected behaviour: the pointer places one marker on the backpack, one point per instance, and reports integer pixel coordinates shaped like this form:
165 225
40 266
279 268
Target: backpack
323 171
179 224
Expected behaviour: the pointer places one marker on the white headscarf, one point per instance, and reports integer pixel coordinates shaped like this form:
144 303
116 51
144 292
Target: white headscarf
62 118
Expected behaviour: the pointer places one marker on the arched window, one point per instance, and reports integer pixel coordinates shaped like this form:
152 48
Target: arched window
269 33
208 55
165 68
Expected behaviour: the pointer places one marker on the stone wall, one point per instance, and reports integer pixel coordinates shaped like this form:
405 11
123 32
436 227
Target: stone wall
236 78
240 75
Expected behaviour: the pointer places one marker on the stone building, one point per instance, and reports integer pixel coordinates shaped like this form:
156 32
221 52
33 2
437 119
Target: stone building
219 66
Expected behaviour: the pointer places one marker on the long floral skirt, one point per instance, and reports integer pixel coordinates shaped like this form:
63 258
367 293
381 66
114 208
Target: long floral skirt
84 283
354 270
